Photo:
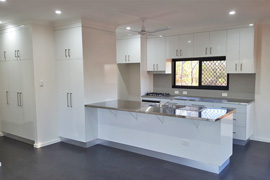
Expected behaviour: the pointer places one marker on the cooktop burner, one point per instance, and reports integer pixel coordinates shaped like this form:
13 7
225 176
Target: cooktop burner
157 94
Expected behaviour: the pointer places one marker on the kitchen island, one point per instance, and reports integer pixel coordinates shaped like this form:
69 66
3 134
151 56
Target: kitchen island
194 136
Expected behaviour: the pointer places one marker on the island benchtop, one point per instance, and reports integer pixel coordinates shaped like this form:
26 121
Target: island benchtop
205 114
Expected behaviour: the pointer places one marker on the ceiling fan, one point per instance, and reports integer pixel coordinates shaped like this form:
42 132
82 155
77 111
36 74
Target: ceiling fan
144 32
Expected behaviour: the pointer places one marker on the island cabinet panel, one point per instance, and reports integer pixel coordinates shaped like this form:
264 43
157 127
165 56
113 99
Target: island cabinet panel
242 120
200 141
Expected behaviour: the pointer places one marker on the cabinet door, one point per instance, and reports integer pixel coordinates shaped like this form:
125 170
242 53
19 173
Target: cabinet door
172 47
217 43
201 44
74 45
160 54
77 100
186 46
4 93
27 100
246 51
151 54
10 44
64 115
134 50
69 43
24 44
233 47
122 51
1 48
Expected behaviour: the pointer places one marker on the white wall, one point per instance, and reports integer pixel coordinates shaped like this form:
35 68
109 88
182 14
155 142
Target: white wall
262 92
100 69
45 70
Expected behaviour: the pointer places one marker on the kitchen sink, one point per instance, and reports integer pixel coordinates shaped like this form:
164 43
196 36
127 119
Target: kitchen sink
193 108
167 105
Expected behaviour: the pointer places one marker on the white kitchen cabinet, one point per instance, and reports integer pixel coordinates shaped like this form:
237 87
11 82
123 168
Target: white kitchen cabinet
17 83
179 46
71 99
242 119
210 44
218 43
69 43
156 60
186 46
172 47
240 51
201 44
128 50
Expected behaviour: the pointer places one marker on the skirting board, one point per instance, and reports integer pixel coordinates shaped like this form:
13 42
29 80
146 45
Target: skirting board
240 142
260 139
178 160
47 143
28 141
1 134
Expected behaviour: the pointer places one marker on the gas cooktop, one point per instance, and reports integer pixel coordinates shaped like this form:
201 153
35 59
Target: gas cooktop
157 94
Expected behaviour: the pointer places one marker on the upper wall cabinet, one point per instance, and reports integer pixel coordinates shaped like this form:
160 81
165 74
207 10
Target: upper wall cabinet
16 44
179 46
240 51
156 60
210 44
69 43
129 50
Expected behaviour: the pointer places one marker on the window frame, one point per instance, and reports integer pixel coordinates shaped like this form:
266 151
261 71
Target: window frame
200 86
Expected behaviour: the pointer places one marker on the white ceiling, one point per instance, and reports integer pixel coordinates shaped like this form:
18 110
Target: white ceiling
182 15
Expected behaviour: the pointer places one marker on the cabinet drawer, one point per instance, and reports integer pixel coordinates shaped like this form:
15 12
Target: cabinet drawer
239 133
239 119
238 108
199 103
181 102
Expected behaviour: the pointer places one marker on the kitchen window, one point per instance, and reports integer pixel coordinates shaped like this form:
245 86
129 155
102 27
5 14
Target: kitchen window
200 73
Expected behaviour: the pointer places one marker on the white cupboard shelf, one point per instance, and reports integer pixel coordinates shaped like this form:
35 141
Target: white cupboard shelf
156 60
128 50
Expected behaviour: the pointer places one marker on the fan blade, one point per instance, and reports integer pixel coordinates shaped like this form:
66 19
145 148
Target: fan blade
128 30
159 30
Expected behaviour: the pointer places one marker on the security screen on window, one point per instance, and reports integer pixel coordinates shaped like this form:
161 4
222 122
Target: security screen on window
200 73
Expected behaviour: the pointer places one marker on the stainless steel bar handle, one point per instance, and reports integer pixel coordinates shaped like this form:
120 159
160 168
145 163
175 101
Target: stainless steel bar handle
180 52
5 56
18 53
67 99
70 99
125 57
20 99
235 66
176 52
154 67
241 67
15 53
68 52
210 50
157 67
128 58
7 97
206 51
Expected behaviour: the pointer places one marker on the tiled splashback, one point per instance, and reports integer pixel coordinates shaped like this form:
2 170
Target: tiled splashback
241 86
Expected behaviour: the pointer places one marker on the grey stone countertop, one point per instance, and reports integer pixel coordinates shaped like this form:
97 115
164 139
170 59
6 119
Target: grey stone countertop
173 110
204 99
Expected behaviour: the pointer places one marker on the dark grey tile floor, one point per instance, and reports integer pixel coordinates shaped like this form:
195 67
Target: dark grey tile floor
67 162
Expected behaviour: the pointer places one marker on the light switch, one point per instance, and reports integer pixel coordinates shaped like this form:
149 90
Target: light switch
41 83
224 94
